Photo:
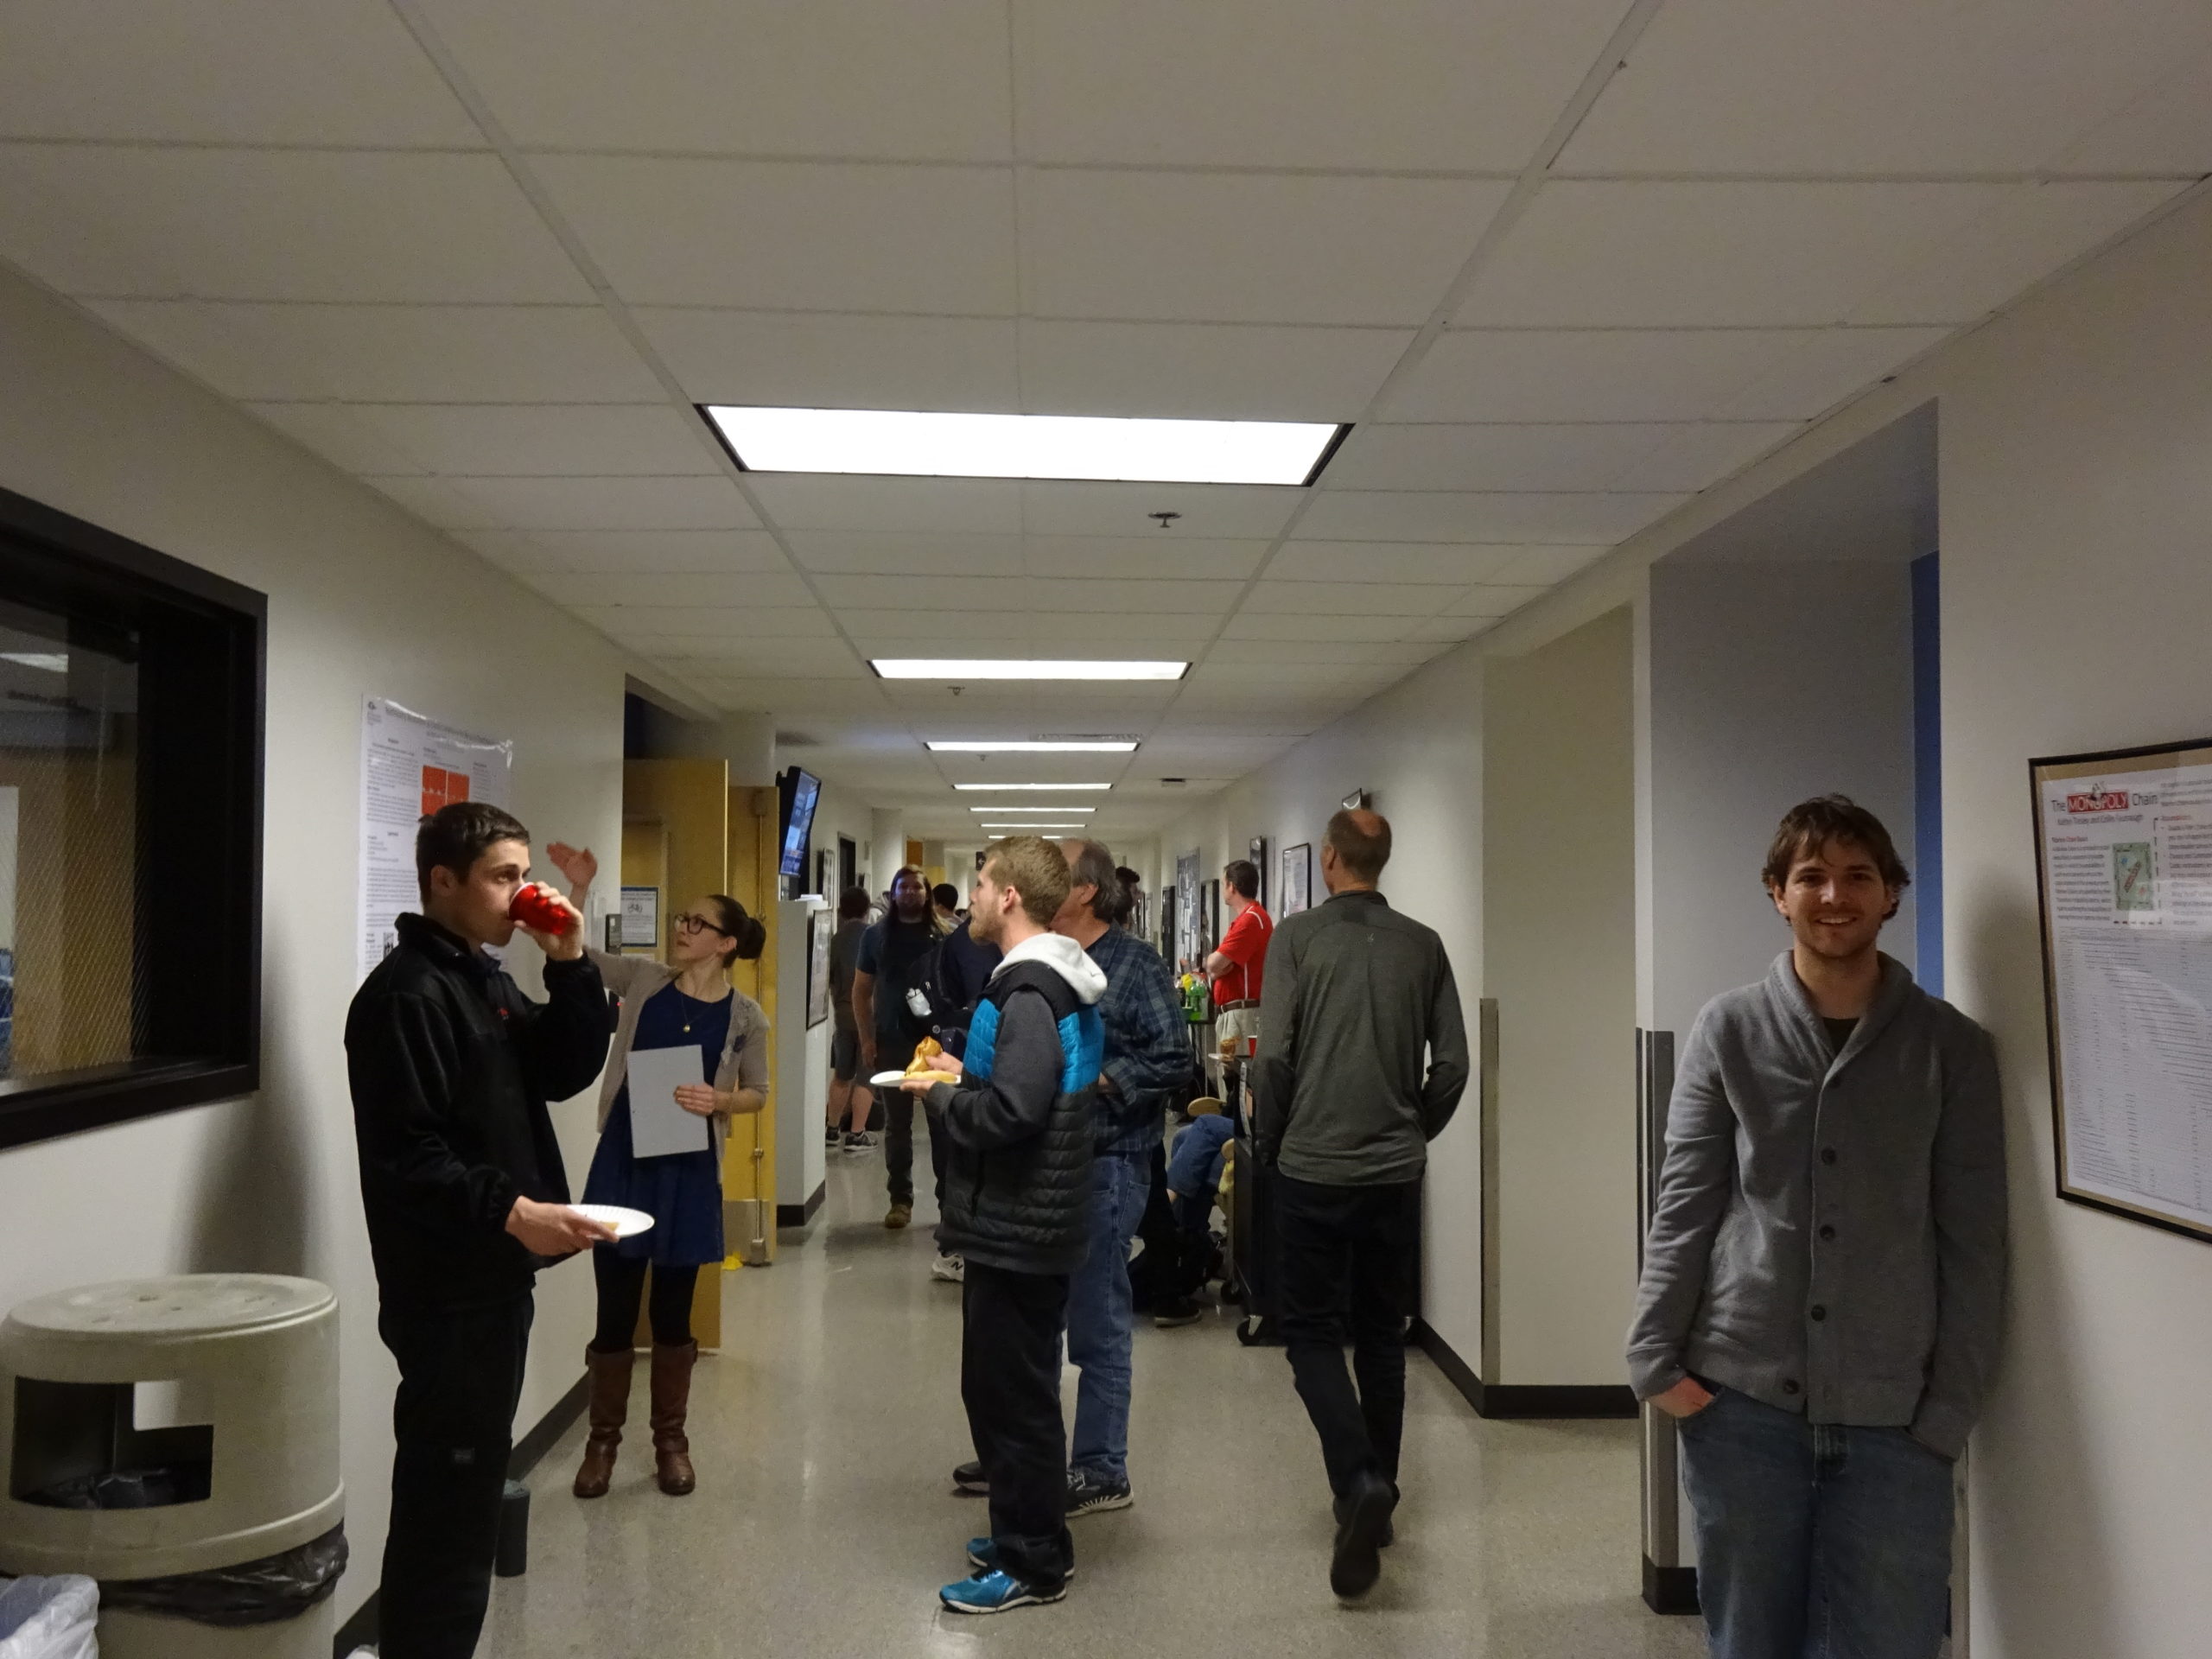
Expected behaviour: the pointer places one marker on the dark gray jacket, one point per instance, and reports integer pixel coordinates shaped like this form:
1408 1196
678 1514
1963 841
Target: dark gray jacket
1357 1001
1829 1236
1017 1130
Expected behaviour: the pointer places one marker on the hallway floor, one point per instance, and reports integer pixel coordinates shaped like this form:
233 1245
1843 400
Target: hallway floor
824 1519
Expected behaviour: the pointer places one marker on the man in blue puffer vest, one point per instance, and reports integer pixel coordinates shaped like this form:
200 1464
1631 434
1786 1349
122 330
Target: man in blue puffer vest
1017 1177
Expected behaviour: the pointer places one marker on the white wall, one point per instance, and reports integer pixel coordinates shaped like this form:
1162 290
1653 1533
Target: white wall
363 599
1768 683
1418 748
1559 863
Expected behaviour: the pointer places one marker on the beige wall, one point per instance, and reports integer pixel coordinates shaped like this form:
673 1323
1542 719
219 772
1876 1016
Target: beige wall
363 600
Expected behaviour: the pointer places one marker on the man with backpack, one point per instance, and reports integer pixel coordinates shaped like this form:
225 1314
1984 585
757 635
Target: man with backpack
893 1005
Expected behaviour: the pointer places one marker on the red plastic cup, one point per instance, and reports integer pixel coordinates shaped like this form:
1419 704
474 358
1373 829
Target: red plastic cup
533 906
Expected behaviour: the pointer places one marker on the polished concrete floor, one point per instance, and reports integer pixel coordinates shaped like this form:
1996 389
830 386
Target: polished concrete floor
824 1519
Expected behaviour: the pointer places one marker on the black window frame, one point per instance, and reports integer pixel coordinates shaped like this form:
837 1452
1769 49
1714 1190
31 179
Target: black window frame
201 757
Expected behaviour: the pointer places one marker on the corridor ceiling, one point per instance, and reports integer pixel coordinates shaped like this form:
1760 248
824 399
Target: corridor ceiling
1562 262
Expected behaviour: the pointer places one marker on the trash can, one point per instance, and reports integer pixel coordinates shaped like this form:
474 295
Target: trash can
177 1439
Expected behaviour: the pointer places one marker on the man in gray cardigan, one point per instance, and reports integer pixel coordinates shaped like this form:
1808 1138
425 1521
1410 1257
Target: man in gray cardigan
1824 1278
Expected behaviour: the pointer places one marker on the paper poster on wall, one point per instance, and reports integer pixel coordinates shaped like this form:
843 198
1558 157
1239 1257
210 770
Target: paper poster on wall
821 934
641 918
1297 876
2124 854
411 767
1186 906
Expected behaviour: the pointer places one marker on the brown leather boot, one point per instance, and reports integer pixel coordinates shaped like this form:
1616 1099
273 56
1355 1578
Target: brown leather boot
672 1404
610 1404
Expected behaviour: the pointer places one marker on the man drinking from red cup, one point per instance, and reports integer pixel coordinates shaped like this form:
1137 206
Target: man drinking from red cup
451 1067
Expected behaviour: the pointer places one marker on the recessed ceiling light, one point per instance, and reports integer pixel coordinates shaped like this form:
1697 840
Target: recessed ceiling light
1056 786
54 662
993 746
1011 668
916 444
1033 809
1030 828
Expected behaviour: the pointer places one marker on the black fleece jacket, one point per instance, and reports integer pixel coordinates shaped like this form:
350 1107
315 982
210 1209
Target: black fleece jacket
451 1067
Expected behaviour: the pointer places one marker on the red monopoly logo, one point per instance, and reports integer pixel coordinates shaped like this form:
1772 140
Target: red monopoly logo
2110 800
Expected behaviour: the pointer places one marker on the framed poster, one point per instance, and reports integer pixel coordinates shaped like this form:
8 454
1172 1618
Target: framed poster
1186 905
1297 873
641 918
1213 915
821 930
2124 881
1258 854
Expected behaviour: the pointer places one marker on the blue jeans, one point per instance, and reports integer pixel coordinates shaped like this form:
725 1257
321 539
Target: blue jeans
1099 1315
1815 1541
1194 1169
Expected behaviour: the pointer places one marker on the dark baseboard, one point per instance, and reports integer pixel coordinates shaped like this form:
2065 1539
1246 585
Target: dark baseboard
797 1215
360 1631
1522 1400
1669 1589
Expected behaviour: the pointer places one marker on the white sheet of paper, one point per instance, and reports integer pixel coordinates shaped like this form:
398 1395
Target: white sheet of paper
658 1125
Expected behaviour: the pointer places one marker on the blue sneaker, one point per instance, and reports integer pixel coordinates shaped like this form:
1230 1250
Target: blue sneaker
996 1591
983 1555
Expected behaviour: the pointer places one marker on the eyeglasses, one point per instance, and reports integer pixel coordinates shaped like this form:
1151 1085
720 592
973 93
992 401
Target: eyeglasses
689 922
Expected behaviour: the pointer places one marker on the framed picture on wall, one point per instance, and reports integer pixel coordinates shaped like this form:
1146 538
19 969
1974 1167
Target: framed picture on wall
1187 905
821 930
1258 854
1213 917
1297 874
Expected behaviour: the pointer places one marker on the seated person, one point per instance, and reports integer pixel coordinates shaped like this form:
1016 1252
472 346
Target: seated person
1194 1170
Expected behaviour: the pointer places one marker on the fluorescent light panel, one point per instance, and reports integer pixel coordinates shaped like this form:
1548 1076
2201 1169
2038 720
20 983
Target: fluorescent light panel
995 787
962 746
1013 668
1030 828
1033 809
916 444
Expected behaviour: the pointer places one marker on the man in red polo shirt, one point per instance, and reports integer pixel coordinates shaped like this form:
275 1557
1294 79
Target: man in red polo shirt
1236 966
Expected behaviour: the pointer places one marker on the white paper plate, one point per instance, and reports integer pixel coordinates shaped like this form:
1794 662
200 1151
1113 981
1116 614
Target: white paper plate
893 1080
627 1224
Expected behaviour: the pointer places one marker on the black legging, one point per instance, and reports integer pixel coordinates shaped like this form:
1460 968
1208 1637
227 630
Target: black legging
622 1287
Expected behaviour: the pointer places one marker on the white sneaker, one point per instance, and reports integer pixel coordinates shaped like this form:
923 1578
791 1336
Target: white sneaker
951 1269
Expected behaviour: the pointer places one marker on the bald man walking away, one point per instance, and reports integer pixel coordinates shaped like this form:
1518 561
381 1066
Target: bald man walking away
1362 1058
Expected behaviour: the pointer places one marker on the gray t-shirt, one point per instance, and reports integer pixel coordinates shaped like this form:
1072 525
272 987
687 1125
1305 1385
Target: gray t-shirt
844 956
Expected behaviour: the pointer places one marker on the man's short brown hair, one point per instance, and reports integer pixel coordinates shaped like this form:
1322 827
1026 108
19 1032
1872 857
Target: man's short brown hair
1362 840
1810 826
1036 869
1242 876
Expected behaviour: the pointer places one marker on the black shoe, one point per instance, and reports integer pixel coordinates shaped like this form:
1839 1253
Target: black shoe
833 1134
1176 1310
1364 1516
968 1480
1090 1494
1389 1526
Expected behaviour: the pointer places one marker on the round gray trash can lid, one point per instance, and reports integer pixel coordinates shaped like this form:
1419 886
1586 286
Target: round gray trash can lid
187 1306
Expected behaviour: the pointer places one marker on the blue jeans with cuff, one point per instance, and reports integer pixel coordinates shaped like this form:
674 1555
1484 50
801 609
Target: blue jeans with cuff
1101 1319
1816 1541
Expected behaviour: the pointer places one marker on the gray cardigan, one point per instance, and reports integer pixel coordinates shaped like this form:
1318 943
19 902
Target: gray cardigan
745 1056
1829 1236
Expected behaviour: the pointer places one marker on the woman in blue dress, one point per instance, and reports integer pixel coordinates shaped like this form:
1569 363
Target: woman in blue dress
690 1002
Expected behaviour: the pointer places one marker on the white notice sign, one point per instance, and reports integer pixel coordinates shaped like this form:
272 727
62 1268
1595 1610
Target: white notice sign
411 767
658 1127
2125 845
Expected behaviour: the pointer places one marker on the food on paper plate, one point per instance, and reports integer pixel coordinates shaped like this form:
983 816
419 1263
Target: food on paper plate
927 1050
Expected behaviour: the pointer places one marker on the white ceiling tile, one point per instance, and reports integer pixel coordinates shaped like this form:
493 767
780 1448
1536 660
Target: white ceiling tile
1209 511
1877 86
2028 232
2168 130
628 588
1589 456
874 556
1706 254
1494 599
1382 654
1304 83
1611 374
543 440
1163 556
1823 368
340 436
813 697
447 353
1204 371
1352 598
1443 564
1252 248
806 236
1693 455
436 502
1118 593
669 552
736 622
1498 515
896 505
246 72
132 222
1129 630
917 590
841 360
1542 566
1450 630
831 77
585 502
1290 627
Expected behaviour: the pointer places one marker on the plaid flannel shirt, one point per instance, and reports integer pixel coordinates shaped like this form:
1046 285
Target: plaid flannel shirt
1148 1042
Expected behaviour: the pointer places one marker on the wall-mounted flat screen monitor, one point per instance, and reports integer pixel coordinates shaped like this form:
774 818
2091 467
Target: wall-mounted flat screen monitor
800 790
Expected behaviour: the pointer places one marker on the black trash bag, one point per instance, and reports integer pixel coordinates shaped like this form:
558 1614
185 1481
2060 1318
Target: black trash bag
266 1592
127 1488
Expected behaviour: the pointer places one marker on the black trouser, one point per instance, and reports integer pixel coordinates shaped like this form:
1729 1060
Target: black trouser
621 1280
1350 1257
899 1142
453 1418
1011 1325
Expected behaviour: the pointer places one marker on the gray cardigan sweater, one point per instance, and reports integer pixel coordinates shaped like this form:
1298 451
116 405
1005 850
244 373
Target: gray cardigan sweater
745 1056
1829 1236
